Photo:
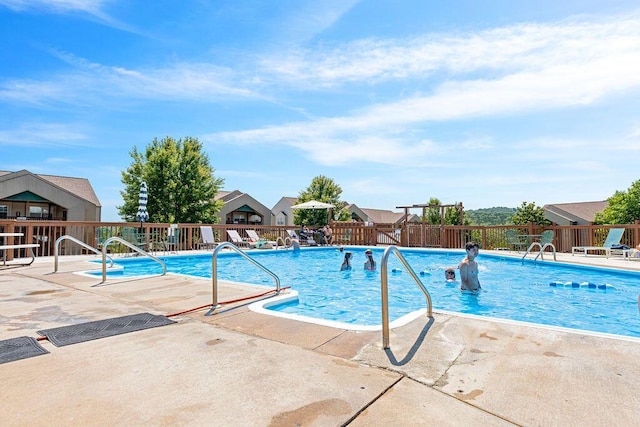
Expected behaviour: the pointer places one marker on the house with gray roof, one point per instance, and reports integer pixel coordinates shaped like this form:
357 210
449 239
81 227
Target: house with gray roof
282 213
582 213
28 196
241 208
379 216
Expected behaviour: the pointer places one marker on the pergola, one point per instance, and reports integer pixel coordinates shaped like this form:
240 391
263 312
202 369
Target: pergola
424 213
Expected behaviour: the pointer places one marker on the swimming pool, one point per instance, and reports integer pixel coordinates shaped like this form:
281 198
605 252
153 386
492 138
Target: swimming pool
593 299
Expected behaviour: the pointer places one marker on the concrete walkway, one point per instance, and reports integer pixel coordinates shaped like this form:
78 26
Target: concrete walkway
243 368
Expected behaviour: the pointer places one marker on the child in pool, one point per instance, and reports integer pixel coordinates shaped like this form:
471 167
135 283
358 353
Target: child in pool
346 264
450 275
370 263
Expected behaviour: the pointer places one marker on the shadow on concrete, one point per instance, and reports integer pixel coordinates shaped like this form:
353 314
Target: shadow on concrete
414 348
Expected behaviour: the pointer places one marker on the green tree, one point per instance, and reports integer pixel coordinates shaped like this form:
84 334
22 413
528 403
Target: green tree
490 216
433 215
527 213
322 189
623 208
180 182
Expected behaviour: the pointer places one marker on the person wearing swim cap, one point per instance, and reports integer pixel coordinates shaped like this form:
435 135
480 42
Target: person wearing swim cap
370 263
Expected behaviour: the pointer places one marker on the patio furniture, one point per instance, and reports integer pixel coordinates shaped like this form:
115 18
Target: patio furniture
207 239
131 235
171 244
239 241
613 239
516 240
309 241
102 234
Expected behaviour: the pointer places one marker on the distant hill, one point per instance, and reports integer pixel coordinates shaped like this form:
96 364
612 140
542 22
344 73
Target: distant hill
490 216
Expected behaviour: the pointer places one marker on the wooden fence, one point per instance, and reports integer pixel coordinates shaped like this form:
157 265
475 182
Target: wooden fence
348 233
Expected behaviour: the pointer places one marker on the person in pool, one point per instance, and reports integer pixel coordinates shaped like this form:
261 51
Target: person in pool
469 269
450 275
294 244
346 264
370 263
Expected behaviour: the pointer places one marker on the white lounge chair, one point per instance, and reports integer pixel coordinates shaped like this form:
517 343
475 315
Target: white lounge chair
613 239
207 239
260 242
239 241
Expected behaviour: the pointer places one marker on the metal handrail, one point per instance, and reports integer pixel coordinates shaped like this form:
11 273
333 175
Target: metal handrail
384 279
541 253
280 239
545 246
531 246
130 245
73 239
214 272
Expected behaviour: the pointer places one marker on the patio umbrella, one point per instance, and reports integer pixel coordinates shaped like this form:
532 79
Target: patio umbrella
314 204
142 214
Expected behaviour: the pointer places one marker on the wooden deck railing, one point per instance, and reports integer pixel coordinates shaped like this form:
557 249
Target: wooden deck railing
348 233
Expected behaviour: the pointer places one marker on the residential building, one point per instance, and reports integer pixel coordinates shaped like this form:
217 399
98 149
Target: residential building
379 216
241 208
582 213
282 213
28 196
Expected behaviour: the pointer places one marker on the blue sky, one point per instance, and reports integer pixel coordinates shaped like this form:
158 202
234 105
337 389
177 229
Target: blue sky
488 103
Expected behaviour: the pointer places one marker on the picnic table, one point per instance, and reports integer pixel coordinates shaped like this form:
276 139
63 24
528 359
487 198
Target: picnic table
4 247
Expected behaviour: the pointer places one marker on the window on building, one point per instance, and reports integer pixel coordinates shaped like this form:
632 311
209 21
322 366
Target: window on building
4 210
38 211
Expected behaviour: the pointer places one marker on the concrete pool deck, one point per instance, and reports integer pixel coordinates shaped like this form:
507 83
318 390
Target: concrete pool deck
239 367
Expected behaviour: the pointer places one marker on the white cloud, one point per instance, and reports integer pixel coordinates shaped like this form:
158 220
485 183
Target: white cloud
43 134
93 83
56 6
94 9
503 51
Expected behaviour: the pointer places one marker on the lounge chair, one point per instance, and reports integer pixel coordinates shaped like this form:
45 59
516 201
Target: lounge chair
516 240
207 240
613 239
239 241
172 242
260 243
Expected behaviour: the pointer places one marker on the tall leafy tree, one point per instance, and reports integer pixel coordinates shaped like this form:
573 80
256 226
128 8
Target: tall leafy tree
623 208
322 189
180 181
433 215
527 213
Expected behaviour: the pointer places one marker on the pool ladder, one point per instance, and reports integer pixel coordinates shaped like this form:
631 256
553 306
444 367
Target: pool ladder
214 272
384 279
541 253
56 250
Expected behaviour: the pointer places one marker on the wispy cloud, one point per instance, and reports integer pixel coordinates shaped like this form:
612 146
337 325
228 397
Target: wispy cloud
94 83
55 6
537 68
94 9
43 134
309 19
518 48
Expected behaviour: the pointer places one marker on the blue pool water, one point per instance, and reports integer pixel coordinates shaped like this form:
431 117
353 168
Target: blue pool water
605 302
